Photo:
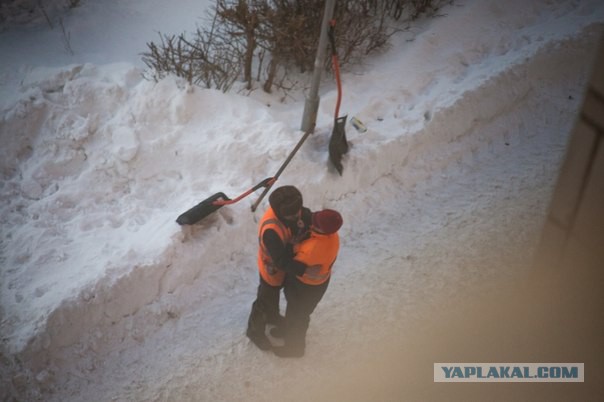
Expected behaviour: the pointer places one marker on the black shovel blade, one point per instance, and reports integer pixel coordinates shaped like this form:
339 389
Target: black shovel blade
338 145
201 210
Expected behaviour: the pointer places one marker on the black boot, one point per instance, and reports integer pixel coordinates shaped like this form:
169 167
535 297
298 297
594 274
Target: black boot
278 332
277 320
256 327
294 345
288 351
259 339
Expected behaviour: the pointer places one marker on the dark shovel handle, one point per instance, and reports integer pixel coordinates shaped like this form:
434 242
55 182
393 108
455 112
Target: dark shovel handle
281 169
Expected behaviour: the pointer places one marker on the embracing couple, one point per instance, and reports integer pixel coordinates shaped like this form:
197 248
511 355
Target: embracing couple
297 249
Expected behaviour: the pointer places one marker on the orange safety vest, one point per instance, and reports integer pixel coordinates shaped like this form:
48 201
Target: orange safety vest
267 268
318 253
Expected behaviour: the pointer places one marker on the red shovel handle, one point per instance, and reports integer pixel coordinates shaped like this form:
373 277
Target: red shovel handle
264 183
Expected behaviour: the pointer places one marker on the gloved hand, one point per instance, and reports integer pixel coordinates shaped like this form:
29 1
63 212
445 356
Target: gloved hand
294 267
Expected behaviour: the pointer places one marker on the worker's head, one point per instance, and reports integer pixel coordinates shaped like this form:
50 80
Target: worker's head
286 201
327 221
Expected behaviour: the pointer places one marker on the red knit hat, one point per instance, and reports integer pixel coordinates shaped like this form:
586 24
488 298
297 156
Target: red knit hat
327 221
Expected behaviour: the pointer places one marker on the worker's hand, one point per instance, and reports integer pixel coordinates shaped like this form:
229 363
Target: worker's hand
295 267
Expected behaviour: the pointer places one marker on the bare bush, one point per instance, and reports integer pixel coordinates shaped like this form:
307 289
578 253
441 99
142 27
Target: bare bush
66 35
33 12
409 10
242 29
206 60
278 37
72 3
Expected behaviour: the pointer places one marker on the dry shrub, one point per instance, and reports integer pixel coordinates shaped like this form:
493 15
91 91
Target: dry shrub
277 37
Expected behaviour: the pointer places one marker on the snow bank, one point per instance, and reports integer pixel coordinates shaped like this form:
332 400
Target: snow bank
93 152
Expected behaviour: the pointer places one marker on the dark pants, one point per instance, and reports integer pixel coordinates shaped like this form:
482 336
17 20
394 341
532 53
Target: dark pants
302 299
265 309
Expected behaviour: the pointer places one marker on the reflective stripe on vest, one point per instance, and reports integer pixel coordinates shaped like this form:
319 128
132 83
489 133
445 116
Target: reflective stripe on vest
315 275
268 271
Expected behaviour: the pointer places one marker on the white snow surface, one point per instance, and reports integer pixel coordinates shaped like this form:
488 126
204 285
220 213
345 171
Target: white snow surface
104 297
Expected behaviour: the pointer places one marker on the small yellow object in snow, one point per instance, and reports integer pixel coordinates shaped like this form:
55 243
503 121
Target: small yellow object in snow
358 124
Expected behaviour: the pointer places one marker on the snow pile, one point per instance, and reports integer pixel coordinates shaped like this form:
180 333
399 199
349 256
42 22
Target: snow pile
105 163
97 163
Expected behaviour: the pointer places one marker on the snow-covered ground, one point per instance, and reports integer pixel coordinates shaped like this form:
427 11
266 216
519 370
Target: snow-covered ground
104 297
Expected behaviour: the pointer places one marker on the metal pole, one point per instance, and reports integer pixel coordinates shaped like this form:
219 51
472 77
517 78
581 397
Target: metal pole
311 106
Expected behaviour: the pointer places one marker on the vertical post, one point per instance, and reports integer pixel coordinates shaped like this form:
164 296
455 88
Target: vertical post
311 106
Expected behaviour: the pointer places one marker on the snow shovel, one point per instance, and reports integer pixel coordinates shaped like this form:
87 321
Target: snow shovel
213 203
338 145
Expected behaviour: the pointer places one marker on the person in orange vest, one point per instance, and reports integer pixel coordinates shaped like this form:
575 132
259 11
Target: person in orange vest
313 257
284 223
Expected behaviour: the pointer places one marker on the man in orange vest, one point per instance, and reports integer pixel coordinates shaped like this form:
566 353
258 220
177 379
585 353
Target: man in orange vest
283 224
313 257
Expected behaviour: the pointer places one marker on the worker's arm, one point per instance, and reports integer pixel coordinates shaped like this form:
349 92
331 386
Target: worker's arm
282 255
